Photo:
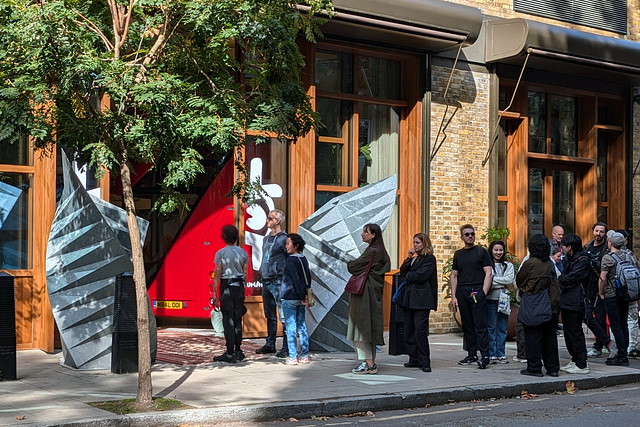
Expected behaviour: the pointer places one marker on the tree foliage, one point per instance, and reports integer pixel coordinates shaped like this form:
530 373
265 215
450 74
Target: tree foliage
183 77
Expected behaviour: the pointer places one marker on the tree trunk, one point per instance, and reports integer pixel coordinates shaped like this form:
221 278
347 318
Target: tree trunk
145 390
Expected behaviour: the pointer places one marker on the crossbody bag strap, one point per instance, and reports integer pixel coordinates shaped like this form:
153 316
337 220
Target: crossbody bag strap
303 272
373 255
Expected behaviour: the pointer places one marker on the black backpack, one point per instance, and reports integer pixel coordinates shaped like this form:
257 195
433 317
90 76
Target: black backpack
591 287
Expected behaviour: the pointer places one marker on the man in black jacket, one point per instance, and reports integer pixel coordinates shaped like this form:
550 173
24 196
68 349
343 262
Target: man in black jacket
595 316
573 280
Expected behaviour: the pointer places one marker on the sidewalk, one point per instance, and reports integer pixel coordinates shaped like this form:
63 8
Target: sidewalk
266 389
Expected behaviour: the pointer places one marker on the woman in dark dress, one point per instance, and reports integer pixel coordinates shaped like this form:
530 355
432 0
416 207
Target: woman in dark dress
418 297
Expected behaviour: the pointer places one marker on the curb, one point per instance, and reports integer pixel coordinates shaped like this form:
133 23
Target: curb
342 406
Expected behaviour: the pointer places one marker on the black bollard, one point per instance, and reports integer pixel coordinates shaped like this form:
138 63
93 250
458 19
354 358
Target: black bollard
8 363
124 351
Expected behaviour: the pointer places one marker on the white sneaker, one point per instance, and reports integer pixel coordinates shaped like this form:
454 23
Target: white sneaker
515 359
575 370
566 368
594 353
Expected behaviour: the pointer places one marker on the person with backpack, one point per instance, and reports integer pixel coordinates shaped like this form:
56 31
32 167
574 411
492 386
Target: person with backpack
573 281
632 320
595 315
616 303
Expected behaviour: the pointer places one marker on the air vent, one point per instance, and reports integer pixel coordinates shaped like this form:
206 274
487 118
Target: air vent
610 15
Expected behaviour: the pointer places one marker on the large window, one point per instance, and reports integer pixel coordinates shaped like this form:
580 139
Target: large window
564 160
360 102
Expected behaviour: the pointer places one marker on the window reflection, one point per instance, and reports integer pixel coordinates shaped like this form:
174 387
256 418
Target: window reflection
564 132
334 71
378 77
537 108
16 204
17 152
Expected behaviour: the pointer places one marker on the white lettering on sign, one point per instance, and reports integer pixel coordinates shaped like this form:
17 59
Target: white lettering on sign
258 216
254 284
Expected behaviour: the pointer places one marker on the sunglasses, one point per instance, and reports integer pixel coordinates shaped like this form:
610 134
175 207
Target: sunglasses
469 234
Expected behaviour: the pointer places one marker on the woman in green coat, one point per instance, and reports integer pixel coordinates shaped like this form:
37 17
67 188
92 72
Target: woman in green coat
366 326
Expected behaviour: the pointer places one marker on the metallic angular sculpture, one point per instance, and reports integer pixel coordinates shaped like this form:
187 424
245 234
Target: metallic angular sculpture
332 236
88 247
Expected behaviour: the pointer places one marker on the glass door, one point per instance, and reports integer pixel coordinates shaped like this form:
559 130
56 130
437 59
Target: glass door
551 200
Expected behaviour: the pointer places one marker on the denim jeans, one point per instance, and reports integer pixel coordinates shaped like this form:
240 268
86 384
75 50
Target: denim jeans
294 312
270 301
497 324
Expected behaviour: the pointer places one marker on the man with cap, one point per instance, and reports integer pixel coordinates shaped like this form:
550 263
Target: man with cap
617 310
632 320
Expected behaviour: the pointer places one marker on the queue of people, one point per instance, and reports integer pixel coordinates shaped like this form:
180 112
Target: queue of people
555 281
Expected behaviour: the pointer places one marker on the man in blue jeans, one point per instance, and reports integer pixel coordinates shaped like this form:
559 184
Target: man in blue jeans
274 255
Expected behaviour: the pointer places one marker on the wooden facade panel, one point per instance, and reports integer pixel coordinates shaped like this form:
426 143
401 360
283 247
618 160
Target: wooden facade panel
25 308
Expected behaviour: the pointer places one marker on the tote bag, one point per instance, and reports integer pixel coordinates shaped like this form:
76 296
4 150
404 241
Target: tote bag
356 283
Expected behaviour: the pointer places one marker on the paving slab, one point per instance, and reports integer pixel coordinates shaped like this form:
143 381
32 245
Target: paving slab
264 388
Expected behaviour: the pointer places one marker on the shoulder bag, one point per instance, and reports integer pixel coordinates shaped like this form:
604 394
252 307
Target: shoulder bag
535 309
311 296
356 283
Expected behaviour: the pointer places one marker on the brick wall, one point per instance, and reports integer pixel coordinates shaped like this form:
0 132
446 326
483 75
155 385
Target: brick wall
459 182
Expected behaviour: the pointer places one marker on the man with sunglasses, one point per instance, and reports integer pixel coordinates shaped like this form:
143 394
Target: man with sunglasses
274 255
470 282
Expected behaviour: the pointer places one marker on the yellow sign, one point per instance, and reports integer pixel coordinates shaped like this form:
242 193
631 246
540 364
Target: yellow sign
172 305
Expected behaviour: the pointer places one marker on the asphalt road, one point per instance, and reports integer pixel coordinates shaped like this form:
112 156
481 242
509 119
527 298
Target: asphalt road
614 406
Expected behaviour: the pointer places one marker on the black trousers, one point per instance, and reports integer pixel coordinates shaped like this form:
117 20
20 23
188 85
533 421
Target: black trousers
416 336
596 319
542 346
473 314
232 309
574 336
618 311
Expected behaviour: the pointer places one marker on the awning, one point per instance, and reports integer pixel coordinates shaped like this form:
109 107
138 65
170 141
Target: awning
429 25
562 50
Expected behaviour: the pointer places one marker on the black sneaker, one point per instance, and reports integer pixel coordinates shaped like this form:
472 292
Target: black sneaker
226 357
266 349
617 361
239 355
411 364
484 362
531 374
282 354
469 360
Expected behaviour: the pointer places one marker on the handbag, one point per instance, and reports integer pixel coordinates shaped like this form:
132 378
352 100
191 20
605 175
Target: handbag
504 303
356 283
399 293
535 309
311 296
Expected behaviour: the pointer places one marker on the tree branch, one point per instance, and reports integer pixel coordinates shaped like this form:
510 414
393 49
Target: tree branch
113 7
127 23
93 27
